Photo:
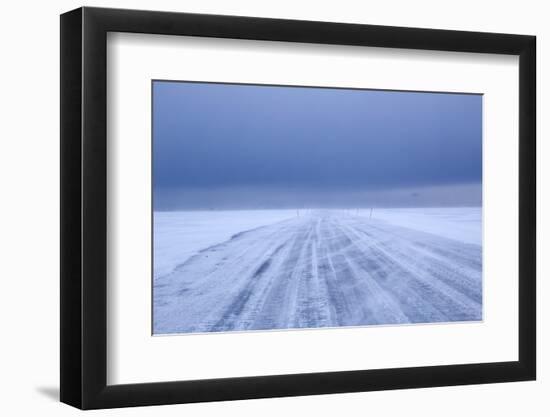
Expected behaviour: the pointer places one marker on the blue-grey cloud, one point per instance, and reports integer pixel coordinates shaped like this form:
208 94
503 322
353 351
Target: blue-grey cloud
324 142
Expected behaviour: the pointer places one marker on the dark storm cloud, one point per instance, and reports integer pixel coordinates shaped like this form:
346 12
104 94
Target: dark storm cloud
320 141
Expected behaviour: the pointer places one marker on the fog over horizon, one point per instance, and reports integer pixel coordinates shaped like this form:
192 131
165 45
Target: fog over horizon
230 146
461 195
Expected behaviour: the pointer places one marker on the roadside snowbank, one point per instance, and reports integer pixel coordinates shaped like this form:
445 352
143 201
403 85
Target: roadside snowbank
179 235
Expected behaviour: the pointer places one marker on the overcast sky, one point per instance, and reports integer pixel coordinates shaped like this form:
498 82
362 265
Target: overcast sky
249 146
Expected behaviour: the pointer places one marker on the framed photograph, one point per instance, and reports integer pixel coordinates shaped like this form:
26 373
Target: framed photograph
257 208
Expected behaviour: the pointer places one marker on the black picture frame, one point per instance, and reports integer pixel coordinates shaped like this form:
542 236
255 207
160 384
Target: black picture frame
84 207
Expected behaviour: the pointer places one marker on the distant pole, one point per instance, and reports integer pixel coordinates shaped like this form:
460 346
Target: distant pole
370 215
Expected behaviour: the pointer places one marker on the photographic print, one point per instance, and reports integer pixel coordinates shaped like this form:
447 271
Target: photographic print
289 207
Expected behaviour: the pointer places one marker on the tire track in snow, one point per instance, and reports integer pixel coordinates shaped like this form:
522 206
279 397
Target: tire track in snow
425 259
197 296
423 297
322 270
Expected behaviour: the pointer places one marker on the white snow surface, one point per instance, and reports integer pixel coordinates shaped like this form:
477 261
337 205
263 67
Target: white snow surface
460 223
262 270
178 235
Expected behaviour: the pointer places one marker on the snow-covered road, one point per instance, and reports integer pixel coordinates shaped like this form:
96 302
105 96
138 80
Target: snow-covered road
324 269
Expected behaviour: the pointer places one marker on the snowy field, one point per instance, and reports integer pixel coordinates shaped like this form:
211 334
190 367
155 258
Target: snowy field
279 269
463 224
180 234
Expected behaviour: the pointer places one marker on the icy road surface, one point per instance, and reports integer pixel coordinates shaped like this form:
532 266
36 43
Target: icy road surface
323 269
